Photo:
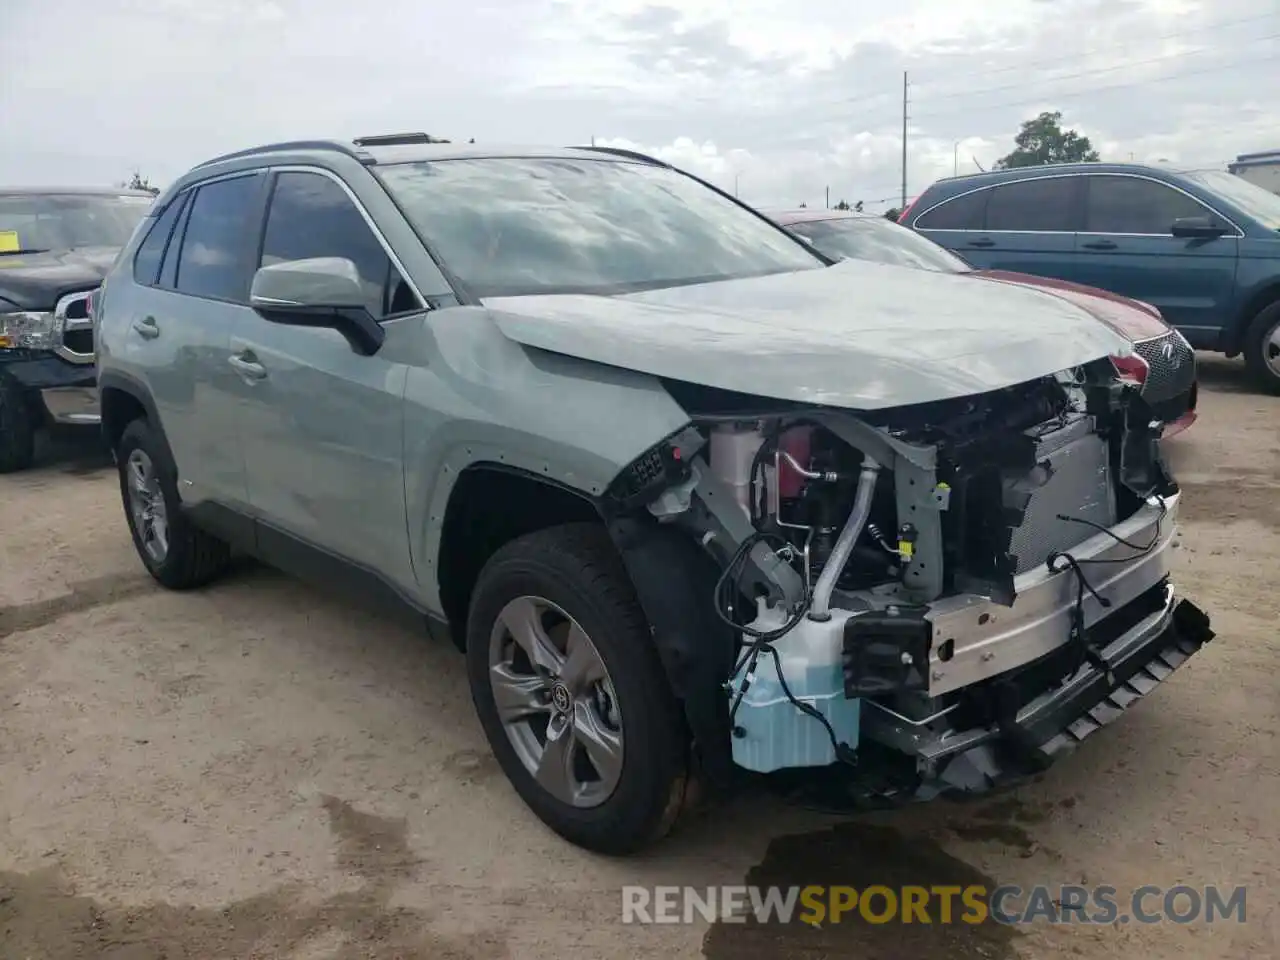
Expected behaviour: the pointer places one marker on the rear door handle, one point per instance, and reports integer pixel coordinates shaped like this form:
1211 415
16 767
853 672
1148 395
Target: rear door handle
1099 245
982 242
247 365
146 328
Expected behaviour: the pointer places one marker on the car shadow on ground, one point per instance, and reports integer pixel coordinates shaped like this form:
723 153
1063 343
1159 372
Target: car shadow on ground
74 450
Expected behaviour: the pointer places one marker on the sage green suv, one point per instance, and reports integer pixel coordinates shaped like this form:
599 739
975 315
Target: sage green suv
698 503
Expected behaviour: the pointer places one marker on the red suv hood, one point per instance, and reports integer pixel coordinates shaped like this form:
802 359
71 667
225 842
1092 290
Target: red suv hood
1131 318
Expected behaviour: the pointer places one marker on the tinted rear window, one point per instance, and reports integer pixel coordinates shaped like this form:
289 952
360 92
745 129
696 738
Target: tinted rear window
146 262
965 212
213 261
1042 205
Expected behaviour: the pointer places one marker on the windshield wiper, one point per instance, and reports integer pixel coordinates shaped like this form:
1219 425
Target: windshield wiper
15 253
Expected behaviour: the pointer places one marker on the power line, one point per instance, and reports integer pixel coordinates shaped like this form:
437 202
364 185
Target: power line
1220 68
869 120
1038 63
1198 31
1089 73
957 110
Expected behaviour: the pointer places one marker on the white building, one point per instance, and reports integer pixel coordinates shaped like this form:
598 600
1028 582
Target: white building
1260 168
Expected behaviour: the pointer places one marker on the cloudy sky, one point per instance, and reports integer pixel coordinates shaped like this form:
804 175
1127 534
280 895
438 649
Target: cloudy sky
782 98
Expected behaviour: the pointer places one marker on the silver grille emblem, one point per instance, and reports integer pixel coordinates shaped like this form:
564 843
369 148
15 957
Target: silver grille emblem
1167 351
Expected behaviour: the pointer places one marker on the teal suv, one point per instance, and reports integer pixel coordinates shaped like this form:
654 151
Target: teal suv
1203 247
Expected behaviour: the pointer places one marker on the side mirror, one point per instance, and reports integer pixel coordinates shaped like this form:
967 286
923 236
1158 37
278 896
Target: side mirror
1197 228
319 292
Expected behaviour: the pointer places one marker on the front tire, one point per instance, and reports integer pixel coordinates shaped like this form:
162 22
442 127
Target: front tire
175 552
17 427
570 691
1262 349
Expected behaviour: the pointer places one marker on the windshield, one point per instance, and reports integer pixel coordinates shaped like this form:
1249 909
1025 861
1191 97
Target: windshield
35 221
510 227
878 240
1262 205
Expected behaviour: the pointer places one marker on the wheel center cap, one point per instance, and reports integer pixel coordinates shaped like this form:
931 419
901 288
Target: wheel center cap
560 697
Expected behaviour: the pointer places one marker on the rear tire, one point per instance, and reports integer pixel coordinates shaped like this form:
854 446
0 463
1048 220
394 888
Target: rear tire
17 427
573 574
190 557
1262 349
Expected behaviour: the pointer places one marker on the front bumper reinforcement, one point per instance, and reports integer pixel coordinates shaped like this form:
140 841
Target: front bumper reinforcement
901 761
1033 736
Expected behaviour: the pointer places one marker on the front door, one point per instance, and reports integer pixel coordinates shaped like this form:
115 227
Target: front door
321 425
1127 247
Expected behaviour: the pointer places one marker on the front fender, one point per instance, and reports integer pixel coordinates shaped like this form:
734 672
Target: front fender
477 397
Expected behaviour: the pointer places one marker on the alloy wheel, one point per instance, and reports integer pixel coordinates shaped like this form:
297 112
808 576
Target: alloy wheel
147 506
556 701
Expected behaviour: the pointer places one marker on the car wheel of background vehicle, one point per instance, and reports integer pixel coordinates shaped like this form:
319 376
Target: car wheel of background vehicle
176 553
1262 348
17 427
570 692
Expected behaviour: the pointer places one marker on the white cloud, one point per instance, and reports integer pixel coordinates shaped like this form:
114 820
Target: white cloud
786 99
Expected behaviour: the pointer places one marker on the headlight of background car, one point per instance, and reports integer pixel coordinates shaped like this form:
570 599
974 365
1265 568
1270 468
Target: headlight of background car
28 330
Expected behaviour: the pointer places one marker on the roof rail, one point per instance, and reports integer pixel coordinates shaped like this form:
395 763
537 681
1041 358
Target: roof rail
396 139
624 152
290 145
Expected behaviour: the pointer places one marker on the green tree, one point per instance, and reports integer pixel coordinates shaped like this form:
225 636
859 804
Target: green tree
842 205
1042 140
893 213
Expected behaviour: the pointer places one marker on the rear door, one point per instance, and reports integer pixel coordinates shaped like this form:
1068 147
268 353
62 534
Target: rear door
954 222
1030 227
192 274
1024 225
1126 246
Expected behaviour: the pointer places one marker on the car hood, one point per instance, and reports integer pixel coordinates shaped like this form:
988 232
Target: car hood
35 281
857 335
1131 318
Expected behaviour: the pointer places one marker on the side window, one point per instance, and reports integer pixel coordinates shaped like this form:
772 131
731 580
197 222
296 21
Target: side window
965 212
312 216
1134 205
146 262
1043 205
169 268
212 262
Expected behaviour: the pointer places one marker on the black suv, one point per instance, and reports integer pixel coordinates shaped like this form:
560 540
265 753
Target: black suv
55 246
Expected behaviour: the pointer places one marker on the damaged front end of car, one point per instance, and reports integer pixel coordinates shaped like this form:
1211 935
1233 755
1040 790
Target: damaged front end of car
930 598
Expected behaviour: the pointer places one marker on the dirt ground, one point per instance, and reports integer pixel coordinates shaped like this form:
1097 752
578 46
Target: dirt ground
256 771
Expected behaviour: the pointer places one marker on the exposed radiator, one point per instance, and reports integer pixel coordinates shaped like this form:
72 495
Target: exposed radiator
1079 485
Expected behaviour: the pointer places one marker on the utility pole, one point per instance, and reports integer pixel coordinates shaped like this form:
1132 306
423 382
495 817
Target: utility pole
904 140
828 205
593 139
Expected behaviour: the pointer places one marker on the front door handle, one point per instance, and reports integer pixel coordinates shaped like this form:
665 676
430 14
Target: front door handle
146 328
1099 245
982 242
247 365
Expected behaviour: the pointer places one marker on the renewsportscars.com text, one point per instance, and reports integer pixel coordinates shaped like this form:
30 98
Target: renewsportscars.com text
817 905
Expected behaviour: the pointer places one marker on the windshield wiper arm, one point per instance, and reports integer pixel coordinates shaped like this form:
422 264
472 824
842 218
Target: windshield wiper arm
14 253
